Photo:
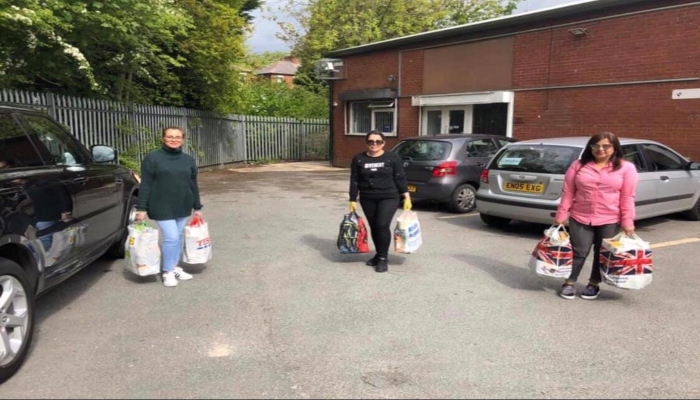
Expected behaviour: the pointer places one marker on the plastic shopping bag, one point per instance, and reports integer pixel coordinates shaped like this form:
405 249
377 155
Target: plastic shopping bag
626 261
407 234
197 242
553 256
142 250
352 237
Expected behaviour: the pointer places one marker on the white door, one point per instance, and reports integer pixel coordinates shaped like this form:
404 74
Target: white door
444 120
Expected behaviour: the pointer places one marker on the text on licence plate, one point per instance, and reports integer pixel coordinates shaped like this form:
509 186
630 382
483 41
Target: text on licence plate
525 187
411 188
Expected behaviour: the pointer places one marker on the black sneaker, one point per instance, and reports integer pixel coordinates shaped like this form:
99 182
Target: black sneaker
590 292
372 262
568 292
382 265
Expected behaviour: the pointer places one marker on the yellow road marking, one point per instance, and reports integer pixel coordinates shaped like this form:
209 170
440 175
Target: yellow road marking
458 216
674 243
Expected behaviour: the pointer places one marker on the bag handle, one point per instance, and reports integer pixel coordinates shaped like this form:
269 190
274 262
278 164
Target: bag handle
196 221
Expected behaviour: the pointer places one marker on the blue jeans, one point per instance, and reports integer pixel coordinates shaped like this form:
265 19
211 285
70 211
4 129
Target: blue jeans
172 230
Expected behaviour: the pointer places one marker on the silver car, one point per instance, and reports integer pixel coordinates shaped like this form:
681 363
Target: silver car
524 180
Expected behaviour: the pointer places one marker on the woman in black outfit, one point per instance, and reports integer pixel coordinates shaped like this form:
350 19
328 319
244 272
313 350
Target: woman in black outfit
379 179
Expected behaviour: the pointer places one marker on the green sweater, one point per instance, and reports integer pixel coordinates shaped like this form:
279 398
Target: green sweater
168 185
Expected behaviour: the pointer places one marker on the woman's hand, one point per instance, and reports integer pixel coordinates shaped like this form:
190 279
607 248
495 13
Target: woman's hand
198 214
629 230
140 216
557 222
407 206
353 206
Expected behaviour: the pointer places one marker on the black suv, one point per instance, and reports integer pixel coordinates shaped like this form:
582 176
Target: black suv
62 207
447 168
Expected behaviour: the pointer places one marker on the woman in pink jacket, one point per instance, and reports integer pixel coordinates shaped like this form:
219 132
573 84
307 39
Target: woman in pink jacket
598 200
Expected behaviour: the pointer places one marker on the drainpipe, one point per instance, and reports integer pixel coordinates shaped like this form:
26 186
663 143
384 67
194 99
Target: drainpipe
330 121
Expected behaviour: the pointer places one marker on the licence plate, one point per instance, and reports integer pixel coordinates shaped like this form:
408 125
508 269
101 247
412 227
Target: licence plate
524 187
411 188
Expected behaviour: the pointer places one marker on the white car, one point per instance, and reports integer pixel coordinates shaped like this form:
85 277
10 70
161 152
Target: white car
524 180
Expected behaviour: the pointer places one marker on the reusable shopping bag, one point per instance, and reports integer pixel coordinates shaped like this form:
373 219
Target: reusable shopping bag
407 234
553 256
197 242
626 261
142 250
352 237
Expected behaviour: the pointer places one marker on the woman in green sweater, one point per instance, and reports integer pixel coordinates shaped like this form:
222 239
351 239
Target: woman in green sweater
168 194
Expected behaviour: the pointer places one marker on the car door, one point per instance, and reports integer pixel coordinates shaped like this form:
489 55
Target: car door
95 190
676 186
647 186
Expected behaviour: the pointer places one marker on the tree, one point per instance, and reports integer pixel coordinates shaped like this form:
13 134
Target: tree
274 99
320 26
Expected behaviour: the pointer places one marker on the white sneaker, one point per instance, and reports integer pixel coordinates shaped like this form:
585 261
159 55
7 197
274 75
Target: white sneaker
169 279
182 275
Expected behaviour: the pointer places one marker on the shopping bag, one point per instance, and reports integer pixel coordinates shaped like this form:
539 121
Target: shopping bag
61 244
407 234
352 237
142 250
197 242
626 261
553 256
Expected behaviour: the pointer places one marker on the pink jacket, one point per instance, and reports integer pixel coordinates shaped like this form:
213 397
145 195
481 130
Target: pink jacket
599 197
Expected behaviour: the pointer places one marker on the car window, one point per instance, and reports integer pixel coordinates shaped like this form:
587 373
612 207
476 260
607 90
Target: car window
481 148
424 150
60 149
661 158
503 142
16 149
632 154
536 158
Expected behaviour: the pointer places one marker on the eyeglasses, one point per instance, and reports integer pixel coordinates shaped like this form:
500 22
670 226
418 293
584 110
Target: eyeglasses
371 142
596 147
173 137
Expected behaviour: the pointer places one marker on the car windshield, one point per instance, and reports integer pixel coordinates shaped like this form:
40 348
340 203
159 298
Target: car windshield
536 158
423 150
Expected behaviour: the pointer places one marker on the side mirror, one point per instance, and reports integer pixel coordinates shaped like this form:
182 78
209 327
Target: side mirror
693 166
103 154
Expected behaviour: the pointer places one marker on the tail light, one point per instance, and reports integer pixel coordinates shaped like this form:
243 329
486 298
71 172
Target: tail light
484 176
445 169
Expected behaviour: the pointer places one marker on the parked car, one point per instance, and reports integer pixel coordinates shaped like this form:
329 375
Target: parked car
524 181
62 207
446 168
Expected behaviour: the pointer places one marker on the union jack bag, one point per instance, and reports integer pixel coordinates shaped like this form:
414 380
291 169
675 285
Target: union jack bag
352 237
626 261
553 256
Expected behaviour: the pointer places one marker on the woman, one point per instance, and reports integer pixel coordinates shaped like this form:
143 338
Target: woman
378 177
169 193
598 198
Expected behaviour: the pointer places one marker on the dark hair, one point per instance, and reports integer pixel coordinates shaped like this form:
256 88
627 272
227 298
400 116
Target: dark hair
173 128
587 155
374 132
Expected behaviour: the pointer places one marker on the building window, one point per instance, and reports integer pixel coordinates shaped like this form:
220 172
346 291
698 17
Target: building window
372 115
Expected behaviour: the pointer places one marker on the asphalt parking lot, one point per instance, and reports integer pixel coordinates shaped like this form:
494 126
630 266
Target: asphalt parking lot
279 313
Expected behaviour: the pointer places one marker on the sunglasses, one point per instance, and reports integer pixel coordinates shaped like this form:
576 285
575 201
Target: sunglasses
371 142
597 147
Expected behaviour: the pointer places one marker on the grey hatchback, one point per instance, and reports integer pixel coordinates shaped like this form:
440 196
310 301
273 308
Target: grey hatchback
446 168
524 181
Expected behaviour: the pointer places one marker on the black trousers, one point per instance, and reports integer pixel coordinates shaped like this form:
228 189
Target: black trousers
582 238
379 213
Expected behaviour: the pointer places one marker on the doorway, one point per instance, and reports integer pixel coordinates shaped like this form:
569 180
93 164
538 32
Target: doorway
490 118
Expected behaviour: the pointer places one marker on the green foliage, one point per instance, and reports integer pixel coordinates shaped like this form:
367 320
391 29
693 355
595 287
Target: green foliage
258 61
266 98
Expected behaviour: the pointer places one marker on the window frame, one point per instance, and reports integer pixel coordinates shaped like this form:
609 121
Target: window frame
375 107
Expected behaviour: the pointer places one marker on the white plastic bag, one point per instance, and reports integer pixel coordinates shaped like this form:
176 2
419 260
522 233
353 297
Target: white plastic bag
626 261
142 250
407 234
197 242
553 255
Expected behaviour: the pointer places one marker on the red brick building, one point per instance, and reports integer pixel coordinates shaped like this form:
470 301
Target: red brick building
604 65
280 71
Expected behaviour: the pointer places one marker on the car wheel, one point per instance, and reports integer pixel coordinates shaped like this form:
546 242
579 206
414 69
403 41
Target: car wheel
463 199
117 250
16 317
694 213
496 222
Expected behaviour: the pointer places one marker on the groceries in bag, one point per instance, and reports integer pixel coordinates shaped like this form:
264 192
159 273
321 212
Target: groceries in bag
197 242
352 237
142 250
553 255
626 261
407 234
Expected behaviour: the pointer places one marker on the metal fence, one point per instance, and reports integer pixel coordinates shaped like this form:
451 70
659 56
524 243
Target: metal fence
212 139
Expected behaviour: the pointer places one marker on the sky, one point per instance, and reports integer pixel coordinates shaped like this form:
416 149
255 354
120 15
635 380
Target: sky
263 37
